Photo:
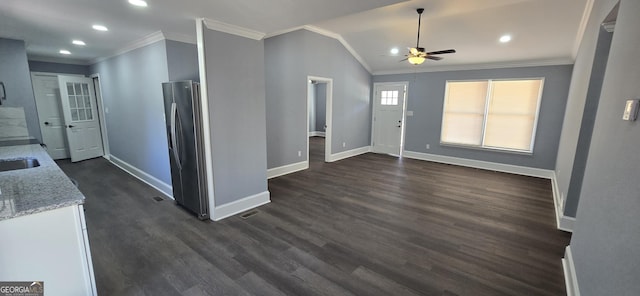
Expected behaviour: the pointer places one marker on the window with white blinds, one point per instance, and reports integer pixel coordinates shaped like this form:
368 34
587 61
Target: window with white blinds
494 114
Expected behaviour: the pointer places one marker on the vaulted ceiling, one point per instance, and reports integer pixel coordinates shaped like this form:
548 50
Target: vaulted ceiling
543 31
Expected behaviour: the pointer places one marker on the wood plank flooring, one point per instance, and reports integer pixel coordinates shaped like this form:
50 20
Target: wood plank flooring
368 225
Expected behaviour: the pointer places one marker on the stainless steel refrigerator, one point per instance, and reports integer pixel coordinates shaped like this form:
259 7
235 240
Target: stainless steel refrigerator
183 115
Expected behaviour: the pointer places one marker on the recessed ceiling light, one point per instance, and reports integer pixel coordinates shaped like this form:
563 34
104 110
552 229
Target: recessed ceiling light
395 50
140 3
64 51
78 42
505 38
100 28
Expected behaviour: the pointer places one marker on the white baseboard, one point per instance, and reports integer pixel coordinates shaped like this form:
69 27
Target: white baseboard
566 223
287 169
563 222
570 279
555 189
239 206
485 165
152 181
349 153
316 134
556 199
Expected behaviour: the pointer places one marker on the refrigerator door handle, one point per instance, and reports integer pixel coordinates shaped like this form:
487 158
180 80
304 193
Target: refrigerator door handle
174 142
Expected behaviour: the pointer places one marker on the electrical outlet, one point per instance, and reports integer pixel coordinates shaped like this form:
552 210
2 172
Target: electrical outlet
344 144
299 153
428 146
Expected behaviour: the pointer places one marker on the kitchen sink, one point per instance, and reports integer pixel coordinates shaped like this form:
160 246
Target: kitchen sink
18 164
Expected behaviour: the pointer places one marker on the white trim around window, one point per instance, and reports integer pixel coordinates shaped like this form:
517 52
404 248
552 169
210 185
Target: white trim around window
470 129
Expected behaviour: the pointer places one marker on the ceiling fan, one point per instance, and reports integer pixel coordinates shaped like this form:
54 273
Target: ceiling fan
417 55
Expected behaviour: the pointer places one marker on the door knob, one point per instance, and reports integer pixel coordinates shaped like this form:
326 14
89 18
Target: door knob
70 126
46 123
399 125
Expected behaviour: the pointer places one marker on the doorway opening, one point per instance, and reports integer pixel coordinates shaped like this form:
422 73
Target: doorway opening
97 88
569 204
68 115
319 102
388 121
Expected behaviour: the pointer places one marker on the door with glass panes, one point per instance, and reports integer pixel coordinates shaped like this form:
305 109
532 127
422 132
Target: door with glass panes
388 119
80 117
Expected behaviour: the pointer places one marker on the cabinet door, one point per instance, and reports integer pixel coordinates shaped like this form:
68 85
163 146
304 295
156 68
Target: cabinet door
51 247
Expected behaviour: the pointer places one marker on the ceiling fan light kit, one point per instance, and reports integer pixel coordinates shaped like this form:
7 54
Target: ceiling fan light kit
417 55
416 60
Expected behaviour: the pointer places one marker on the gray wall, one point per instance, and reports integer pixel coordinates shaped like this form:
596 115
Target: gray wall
588 120
321 106
581 76
426 97
290 58
182 61
38 66
14 72
236 93
605 241
132 93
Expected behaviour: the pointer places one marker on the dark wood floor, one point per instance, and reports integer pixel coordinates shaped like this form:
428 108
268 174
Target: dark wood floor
368 225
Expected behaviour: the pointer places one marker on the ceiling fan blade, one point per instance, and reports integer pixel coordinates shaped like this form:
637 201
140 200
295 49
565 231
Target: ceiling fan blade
403 60
442 51
433 58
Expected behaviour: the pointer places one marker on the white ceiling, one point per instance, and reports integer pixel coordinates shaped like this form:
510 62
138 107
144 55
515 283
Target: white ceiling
544 31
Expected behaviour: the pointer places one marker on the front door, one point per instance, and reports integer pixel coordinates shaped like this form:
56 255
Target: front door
54 135
80 117
388 118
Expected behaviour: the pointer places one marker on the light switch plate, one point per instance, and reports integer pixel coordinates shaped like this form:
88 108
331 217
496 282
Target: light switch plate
631 110
409 113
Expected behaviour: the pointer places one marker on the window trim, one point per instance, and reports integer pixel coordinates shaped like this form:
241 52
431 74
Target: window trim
482 147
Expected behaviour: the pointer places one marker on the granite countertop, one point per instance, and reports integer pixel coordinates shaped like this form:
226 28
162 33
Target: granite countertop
6 142
33 190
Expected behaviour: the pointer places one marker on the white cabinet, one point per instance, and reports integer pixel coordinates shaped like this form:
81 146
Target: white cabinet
50 246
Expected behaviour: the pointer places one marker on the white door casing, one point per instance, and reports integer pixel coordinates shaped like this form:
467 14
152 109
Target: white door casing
80 117
97 87
49 106
388 118
328 114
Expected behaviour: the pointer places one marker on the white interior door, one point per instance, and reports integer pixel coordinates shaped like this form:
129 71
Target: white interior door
388 119
49 105
80 117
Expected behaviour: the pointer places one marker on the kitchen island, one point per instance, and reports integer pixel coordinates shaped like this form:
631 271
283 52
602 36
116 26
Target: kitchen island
42 226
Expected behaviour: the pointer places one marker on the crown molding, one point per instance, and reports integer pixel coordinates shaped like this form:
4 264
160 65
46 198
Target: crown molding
282 32
149 39
344 43
586 14
180 37
329 34
609 27
233 29
519 64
